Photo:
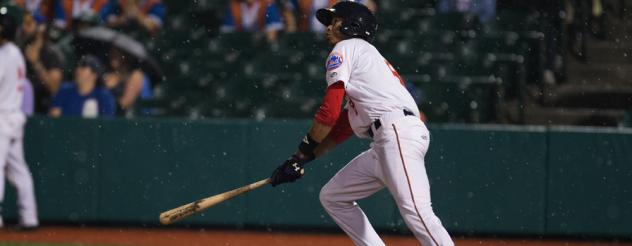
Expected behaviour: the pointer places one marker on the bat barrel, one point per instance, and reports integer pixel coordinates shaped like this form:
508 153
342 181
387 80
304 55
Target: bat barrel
176 214
179 213
165 219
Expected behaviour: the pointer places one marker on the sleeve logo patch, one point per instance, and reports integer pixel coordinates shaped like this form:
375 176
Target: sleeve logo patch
334 61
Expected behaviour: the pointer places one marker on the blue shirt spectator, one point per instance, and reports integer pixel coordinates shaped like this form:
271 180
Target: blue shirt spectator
149 14
84 97
73 103
484 9
253 16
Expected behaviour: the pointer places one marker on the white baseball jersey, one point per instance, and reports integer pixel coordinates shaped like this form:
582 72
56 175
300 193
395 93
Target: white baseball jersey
372 85
12 119
12 74
395 160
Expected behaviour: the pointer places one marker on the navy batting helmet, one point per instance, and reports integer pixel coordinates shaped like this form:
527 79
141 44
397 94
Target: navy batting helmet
8 24
358 20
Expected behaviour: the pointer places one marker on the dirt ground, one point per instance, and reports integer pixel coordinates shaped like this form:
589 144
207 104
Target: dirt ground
171 237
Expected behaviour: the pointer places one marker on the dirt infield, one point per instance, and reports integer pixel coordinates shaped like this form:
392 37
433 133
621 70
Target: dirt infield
176 237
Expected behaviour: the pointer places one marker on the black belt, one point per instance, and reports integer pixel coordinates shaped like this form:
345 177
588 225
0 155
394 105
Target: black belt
377 123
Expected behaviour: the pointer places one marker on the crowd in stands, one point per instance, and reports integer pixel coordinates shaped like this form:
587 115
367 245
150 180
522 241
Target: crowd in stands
272 17
101 83
97 79
110 82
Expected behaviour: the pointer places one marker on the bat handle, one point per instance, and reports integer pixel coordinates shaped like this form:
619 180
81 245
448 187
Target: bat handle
259 183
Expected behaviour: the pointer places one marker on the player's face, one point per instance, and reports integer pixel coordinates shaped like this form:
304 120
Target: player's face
333 31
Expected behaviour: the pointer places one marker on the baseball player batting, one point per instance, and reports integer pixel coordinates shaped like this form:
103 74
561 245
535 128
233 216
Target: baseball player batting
12 119
378 107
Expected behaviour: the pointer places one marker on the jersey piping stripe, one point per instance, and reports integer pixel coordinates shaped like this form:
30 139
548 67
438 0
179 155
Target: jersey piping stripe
410 187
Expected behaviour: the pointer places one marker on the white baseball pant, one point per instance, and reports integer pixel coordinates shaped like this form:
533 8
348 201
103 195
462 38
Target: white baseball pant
395 161
17 172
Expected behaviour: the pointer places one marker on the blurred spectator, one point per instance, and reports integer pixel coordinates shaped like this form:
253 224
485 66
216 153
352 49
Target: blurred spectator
551 24
129 14
125 81
45 62
550 17
40 10
253 16
369 4
65 41
485 10
622 7
84 97
583 17
84 21
300 15
68 10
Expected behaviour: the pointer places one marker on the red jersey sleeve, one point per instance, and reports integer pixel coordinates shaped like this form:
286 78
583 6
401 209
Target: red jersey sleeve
342 130
330 108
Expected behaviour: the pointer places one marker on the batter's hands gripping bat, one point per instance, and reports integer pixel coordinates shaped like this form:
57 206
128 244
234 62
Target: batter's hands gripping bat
186 210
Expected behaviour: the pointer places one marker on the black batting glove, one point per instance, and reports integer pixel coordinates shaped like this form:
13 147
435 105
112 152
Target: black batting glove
291 170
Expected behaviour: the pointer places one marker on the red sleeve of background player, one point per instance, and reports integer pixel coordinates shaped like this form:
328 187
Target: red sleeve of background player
342 130
330 108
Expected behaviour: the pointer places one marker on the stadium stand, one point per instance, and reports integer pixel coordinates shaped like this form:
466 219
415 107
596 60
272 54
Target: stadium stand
464 71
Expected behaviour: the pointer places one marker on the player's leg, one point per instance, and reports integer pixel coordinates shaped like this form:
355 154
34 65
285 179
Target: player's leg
4 150
19 176
402 154
355 181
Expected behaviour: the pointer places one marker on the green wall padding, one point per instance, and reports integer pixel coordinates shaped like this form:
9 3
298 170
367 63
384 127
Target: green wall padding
590 182
484 179
488 180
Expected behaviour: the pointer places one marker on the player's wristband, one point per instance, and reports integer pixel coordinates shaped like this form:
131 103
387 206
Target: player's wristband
307 147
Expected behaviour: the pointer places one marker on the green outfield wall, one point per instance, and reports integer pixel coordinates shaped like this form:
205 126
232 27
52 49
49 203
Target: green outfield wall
484 179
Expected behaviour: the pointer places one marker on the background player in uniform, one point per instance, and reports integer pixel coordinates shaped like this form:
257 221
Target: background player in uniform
378 107
12 119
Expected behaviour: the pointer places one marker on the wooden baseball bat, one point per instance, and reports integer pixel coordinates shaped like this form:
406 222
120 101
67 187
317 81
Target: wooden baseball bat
187 210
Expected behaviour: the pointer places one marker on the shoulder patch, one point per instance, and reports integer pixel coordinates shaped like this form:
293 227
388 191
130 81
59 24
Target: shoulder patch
334 61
